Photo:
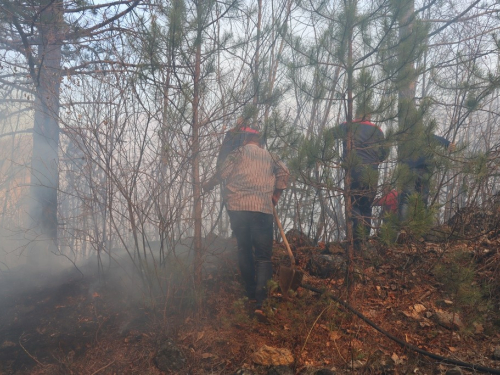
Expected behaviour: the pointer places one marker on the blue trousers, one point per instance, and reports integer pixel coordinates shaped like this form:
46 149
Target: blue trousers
254 234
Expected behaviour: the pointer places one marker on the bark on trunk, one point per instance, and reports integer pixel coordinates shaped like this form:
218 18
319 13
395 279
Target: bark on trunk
45 161
197 209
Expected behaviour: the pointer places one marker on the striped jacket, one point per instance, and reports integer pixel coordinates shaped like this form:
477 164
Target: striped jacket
252 174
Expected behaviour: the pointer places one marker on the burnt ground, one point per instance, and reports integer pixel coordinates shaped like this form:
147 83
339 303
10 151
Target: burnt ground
74 324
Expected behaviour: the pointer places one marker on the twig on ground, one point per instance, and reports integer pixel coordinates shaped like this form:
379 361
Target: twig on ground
28 353
102 368
309 333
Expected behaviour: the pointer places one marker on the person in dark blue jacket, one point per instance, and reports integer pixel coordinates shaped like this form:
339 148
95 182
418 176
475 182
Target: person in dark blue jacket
368 151
421 168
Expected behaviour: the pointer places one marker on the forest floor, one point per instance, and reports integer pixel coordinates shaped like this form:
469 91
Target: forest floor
442 298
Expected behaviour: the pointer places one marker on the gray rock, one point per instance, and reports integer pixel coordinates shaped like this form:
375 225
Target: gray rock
455 371
269 356
448 320
316 371
280 370
244 371
356 364
308 371
169 357
326 265
297 238
496 354
324 371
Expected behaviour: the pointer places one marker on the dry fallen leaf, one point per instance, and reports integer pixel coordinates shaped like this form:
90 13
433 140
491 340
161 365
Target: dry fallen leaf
478 327
334 335
425 323
208 355
199 335
396 359
419 308
7 344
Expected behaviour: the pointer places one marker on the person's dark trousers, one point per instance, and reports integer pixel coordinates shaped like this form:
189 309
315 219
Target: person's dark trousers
362 197
420 185
254 234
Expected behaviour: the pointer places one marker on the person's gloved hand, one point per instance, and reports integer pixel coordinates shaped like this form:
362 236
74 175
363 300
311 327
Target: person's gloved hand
208 185
276 196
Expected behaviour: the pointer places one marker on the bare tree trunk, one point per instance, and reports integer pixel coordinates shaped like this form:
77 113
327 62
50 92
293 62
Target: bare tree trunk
256 64
410 126
45 162
197 209
348 180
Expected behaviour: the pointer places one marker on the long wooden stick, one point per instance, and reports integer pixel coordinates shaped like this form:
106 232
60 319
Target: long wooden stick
282 232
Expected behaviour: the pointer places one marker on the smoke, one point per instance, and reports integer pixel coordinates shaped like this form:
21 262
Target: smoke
28 263
12 254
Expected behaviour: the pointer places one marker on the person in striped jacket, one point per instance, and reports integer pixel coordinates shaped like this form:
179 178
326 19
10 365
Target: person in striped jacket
254 180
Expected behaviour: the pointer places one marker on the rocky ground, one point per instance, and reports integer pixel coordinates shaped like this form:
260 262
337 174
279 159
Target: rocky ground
425 306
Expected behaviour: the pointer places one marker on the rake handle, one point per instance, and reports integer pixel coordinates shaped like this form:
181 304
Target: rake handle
282 232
